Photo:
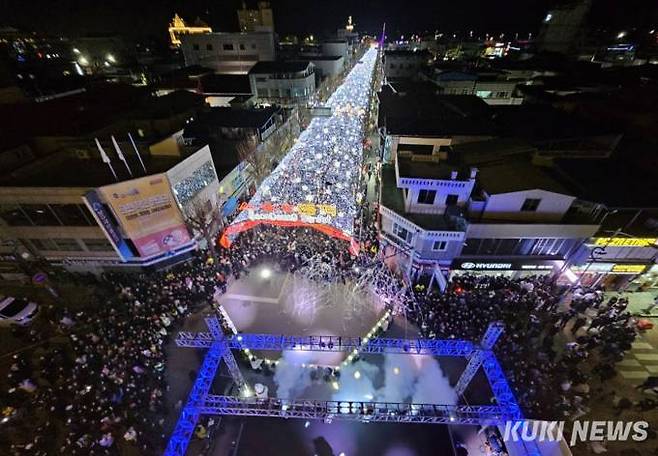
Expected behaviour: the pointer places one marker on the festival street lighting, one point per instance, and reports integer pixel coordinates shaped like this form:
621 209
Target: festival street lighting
317 182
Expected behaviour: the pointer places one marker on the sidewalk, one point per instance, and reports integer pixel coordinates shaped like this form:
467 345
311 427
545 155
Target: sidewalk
641 361
637 301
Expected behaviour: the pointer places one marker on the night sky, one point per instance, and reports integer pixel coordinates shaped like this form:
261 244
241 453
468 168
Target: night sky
149 18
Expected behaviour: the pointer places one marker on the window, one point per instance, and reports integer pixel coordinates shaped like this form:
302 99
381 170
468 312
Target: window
227 46
97 245
402 233
416 149
43 244
439 246
451 200
208 47
13 215
40 214
72 214
261 78
253 45
530 205
242 47
471 246
195 47
501 94
426 196
67 244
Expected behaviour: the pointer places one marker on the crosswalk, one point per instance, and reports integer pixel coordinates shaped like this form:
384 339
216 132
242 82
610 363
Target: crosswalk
640 362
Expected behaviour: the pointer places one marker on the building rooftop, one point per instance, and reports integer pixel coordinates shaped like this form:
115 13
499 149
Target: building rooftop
408 52
627 179
538 122
417 110
393 199
230 84
92 110
633 222
324 57
407 167
232 118
63 170
489 151
518 175
279 66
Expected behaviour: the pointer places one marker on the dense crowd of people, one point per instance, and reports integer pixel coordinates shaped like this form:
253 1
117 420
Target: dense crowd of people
546 339
106 388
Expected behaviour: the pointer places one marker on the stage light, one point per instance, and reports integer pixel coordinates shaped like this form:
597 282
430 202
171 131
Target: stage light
335 385
265 273
357 375
307 424
396 370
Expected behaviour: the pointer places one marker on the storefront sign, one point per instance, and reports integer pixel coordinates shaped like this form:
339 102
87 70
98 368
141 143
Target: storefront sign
625 242
610 268
628 268
489 265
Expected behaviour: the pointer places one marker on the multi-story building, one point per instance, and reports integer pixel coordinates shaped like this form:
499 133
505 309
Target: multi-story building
337 47
467 210
260 19
88 215
286 83
492 89
563 28
415 119
622 254
233 124
405 64
233 53
178 28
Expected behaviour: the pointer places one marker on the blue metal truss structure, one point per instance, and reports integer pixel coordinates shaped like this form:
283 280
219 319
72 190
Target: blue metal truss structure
202 402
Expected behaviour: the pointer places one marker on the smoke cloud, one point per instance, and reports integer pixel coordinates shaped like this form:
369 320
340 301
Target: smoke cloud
400 378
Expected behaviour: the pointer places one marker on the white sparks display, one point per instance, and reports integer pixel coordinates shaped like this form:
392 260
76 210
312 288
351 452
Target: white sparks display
323 166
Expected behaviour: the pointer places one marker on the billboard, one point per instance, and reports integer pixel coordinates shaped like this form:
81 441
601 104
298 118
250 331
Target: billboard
148 213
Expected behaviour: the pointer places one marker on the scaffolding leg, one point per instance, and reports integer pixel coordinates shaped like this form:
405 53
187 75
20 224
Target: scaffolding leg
189 416
216 330
474 363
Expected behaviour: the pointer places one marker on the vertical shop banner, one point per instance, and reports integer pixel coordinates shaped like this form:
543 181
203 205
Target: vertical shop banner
148 213
107 223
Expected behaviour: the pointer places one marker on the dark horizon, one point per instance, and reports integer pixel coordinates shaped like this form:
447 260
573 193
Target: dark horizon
142 18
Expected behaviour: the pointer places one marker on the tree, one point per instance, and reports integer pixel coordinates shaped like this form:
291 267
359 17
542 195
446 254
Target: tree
259 164
200 216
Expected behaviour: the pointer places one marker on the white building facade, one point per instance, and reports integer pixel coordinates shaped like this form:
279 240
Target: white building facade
228 53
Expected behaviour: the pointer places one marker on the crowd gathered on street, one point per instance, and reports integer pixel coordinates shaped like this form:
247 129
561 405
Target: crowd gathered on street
106 389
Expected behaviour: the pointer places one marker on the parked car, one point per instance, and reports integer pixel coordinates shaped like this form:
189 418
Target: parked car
17 311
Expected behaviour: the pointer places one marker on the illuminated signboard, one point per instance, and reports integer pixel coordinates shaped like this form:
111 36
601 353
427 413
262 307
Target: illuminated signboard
610 268
628 268
306 212
487 265
625 242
